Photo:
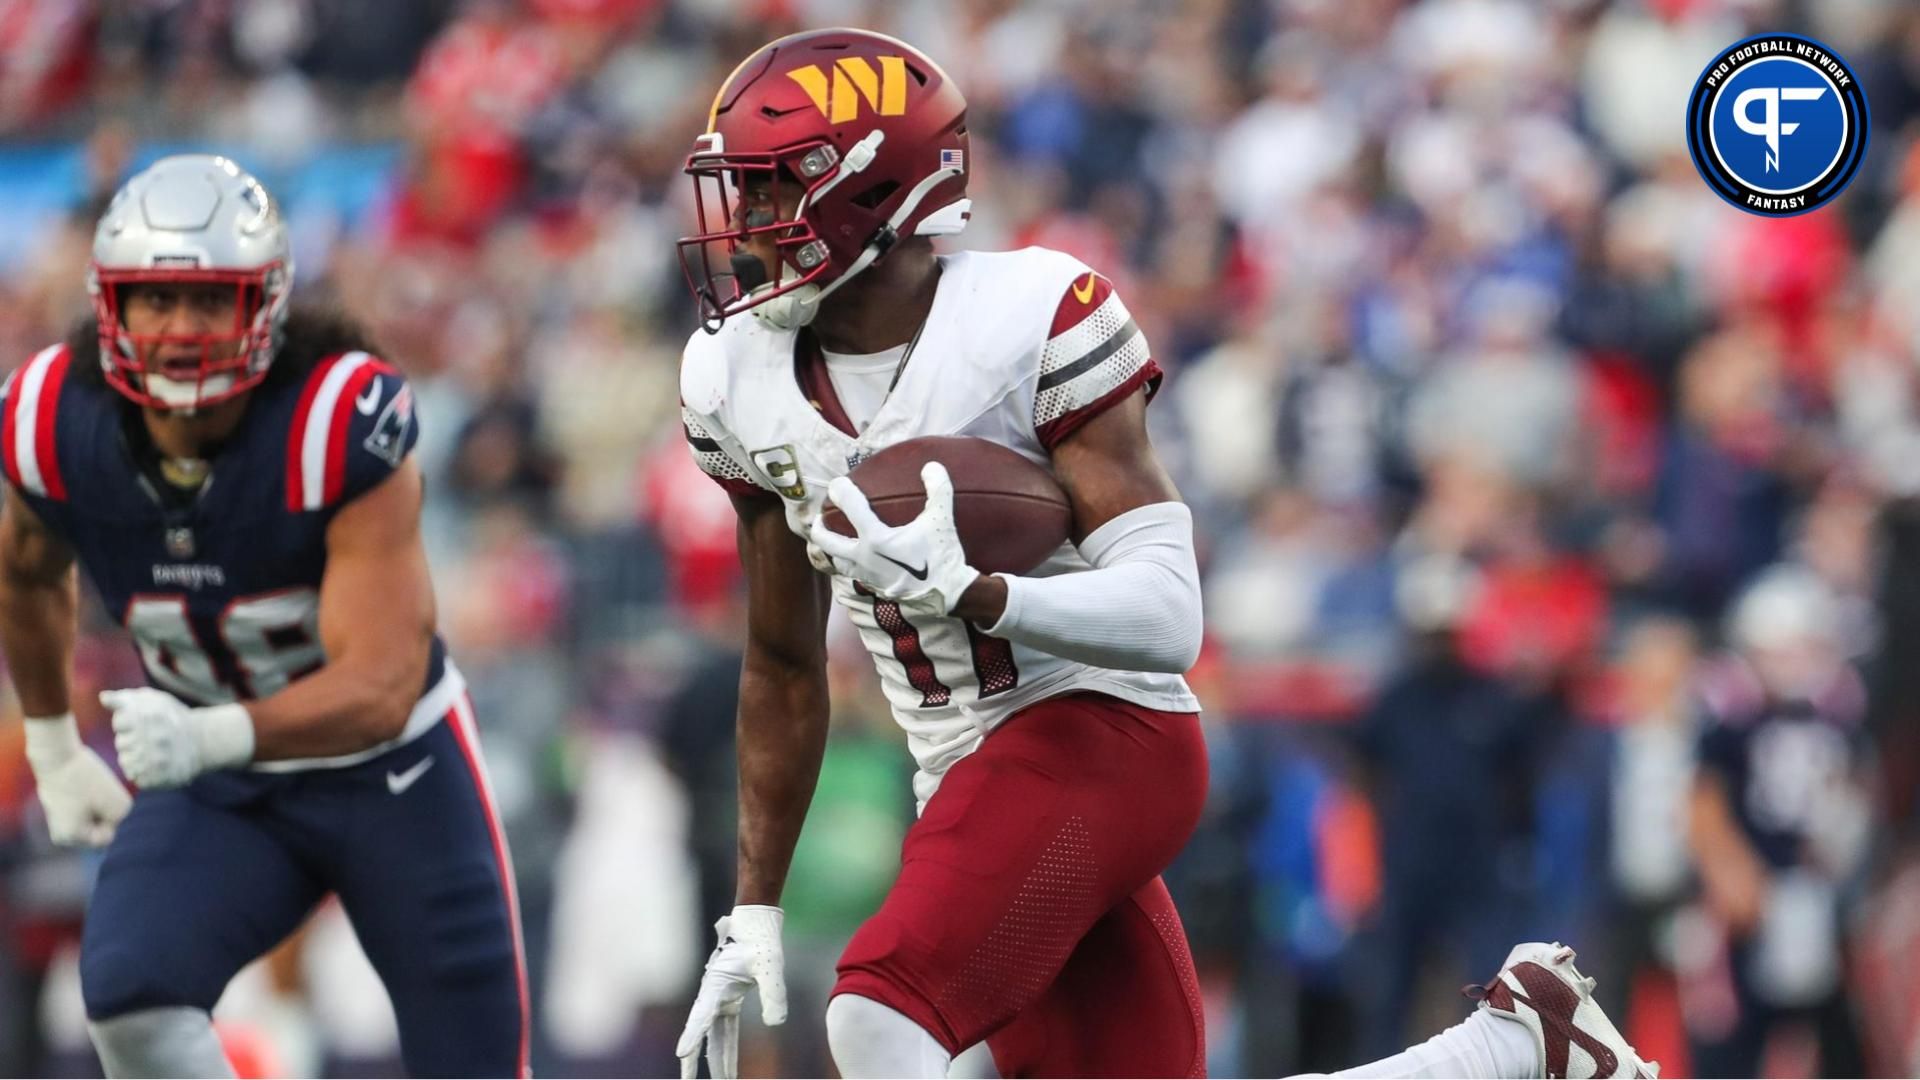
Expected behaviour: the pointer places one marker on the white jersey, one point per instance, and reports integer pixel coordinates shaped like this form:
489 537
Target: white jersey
1020 348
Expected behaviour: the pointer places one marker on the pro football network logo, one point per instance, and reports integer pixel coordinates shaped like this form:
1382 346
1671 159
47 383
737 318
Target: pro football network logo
1777 124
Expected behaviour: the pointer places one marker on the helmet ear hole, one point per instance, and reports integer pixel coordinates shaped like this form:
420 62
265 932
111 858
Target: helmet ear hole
871 198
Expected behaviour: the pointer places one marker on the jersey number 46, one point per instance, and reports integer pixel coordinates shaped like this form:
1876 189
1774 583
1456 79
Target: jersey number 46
264 642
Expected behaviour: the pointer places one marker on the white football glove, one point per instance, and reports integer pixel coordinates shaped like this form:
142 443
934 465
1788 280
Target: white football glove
919 562
748 955
164 743
83 799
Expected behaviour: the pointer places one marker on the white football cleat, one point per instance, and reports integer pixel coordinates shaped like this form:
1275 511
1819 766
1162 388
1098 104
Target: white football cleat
1540 988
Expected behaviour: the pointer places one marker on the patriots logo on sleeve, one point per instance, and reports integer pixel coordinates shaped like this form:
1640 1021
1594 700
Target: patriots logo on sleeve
388 440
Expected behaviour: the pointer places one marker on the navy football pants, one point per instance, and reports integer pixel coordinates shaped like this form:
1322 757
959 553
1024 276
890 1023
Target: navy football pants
202 880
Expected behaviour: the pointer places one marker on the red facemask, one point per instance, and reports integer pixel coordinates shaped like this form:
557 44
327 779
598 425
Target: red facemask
220 364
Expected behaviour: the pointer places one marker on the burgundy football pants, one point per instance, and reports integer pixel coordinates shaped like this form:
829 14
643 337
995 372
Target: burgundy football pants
1029 910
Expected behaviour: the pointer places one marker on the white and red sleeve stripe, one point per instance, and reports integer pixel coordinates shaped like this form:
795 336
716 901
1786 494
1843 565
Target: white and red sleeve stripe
317 438
1094 357
26 431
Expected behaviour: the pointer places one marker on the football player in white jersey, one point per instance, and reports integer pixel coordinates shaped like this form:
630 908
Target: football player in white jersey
1061 765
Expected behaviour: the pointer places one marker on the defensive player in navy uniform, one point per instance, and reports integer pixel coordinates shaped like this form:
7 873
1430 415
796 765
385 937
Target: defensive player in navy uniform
234 478
1777 823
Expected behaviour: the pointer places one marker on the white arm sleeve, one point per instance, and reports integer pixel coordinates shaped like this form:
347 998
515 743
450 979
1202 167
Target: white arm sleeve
1137 610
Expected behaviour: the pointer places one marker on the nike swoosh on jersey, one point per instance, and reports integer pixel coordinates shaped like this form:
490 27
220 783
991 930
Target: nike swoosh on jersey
399 782
920 573
1085 294
365 402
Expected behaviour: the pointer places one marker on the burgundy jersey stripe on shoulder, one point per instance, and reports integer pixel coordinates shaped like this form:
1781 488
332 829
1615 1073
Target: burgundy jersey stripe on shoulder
1094 356
1054 432
1082 299
713 459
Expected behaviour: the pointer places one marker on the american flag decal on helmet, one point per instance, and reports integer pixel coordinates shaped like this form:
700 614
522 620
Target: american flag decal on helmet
953 159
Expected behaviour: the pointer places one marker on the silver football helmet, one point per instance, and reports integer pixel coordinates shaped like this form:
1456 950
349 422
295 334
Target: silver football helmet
1789 625
191 219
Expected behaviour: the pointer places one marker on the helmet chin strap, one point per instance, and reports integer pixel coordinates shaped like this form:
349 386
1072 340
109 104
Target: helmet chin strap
796 309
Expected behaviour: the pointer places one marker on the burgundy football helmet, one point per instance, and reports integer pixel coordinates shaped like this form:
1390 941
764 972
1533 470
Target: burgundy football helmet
871 128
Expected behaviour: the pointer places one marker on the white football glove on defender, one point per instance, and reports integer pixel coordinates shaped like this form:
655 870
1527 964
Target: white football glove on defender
83 799
749 954
163 743
920 562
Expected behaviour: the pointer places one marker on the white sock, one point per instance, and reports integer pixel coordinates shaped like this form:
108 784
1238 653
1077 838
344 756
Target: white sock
174 1041
869 1040
1482 1047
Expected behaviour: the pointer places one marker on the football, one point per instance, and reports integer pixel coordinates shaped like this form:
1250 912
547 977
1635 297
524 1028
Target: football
1011 514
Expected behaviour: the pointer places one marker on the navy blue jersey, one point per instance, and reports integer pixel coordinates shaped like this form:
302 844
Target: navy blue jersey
220 591
1778 760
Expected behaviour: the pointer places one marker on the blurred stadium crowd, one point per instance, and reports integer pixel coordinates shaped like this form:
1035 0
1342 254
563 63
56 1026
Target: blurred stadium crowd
1560 523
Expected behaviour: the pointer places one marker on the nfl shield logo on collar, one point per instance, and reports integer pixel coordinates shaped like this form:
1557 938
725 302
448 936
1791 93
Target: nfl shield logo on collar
180 542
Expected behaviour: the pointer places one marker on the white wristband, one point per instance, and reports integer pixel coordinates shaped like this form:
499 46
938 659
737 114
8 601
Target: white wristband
225 735
762 916
52 740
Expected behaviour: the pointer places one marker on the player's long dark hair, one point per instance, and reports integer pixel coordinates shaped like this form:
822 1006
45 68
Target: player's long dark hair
312 335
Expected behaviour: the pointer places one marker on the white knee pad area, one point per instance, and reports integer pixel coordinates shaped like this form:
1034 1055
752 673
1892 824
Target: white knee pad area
870 1040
